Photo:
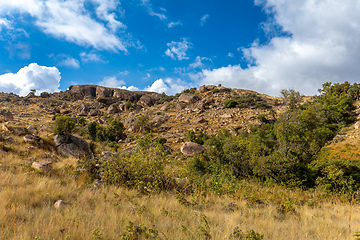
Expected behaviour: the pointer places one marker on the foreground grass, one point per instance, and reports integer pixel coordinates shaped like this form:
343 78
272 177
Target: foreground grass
27 210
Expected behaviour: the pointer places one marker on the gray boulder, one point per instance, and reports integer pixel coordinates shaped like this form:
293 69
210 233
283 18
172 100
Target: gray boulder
72 146
33 139
113 109
188 98
43 166
191 149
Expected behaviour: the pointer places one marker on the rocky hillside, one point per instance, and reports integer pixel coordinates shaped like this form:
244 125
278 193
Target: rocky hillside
166 116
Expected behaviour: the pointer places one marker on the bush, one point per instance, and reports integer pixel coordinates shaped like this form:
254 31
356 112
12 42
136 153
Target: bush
143 168
64 125
81 121
112 133
230 103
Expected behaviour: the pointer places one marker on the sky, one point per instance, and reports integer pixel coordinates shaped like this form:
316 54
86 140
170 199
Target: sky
168 46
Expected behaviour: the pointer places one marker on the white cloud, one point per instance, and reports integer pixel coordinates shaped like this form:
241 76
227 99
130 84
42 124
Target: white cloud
103 11
322 44
19 50
203 19
231 55
198 62
90 57
151 11
41 78
4 23
174 24
169 86
131 88
68 61
70 20
178 49
111 82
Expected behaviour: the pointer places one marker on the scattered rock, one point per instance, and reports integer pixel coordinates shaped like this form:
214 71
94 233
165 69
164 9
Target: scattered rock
6 115
33 139
191 149
158 120
31 129
226 115
94 112
44 128
188 98
201 120
5 138
357 125
83 109
43 166
20 131
60 204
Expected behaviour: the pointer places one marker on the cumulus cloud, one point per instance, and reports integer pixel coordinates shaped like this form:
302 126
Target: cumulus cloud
111 82
203 19
169 86
178 49
70 20
322 43
41 78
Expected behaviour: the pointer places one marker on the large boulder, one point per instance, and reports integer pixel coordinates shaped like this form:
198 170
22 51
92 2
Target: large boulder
72 146
113 109
6 115
191 149
44 95
146 100
158 120
188 98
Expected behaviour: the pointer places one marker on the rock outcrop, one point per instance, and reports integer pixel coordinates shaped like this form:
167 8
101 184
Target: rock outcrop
112 94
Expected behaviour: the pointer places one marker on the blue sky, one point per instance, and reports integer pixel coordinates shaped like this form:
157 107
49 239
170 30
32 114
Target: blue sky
167 46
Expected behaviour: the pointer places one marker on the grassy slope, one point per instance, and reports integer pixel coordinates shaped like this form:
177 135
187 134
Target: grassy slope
27 198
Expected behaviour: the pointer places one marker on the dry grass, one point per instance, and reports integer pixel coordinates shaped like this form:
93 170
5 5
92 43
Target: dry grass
29 196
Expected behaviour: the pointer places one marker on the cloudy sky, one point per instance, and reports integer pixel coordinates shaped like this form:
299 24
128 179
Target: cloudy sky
167 46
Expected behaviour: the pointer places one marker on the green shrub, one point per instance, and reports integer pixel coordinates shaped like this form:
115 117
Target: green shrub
197 137
142 169
113 132
81 121
262 118
230 103
64 125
